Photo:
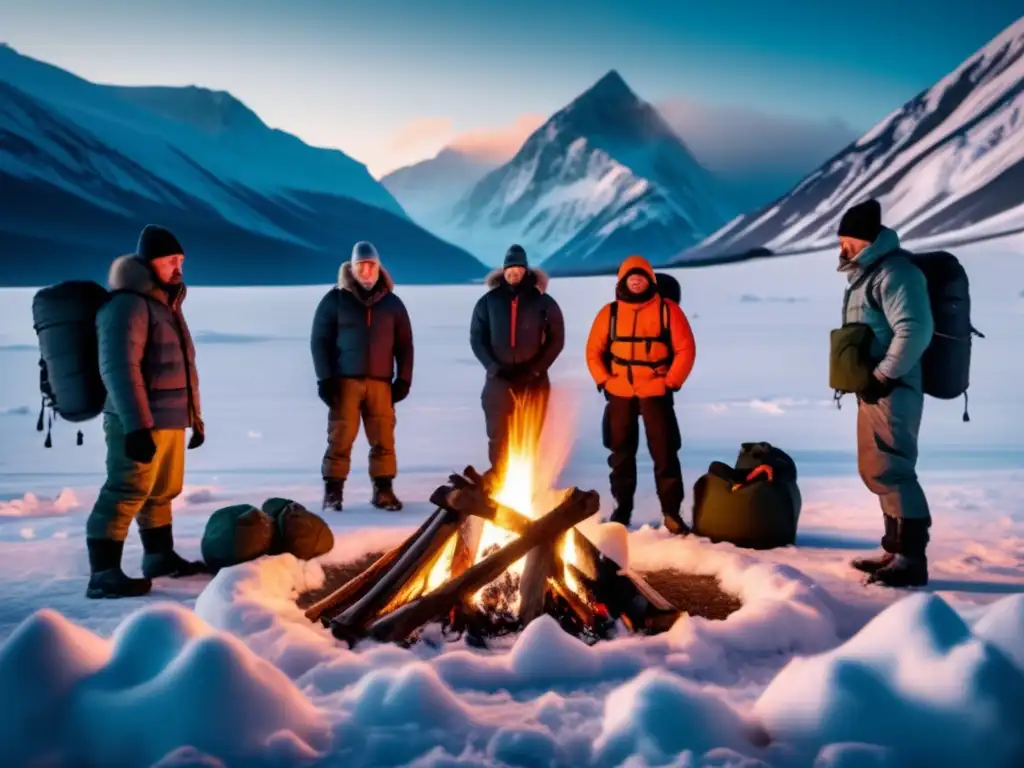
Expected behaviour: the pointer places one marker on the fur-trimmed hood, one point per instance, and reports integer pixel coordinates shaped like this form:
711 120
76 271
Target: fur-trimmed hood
497 277
132 273
347 281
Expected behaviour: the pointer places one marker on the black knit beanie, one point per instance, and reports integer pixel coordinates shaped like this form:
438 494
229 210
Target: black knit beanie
156 242
863 221
515 256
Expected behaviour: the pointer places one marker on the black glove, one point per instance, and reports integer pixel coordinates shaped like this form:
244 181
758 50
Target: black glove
139 446
504 372
399 390
603 391
877 389
326 389
198 435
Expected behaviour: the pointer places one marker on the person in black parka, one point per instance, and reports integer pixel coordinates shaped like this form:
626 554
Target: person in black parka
362 353
517 333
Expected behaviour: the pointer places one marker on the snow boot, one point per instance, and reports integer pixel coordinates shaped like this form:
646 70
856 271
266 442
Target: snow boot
675 525
334 492
890 547
909 568
159 558
107 580
384 496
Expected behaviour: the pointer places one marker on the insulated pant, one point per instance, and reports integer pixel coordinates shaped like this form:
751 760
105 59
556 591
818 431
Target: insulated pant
887 452
621 434
133 491
368 400
499 400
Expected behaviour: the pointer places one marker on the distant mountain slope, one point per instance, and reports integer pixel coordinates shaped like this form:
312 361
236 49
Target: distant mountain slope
84 166
947 165
430 189
603 171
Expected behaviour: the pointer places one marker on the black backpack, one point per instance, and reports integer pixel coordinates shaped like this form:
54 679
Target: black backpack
64 318
946 365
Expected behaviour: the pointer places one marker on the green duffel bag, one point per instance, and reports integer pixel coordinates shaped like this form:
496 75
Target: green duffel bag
236 535
850 366
754 505
297 530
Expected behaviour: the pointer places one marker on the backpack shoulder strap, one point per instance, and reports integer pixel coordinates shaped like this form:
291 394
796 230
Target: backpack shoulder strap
666 327
613 320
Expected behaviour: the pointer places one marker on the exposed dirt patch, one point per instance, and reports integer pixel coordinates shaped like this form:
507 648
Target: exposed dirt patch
696 595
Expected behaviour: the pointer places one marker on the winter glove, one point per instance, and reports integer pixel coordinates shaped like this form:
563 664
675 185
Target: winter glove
604 392
198 435
325 390
878 389
139 446
399 390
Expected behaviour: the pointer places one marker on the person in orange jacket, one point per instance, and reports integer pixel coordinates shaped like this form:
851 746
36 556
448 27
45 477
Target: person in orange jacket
641 351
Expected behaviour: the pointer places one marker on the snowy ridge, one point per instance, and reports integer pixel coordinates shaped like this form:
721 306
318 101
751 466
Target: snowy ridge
950 160
604 166
110 159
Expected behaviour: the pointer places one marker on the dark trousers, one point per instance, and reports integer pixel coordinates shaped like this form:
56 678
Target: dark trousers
621 434
499 399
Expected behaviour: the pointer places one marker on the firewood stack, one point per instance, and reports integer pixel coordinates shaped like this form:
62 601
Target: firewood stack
435 574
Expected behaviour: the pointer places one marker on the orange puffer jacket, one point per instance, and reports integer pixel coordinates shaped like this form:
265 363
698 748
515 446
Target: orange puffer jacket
638 363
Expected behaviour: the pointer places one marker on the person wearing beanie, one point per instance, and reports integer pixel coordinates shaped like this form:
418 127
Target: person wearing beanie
889 294
362 355
516 332
147 361
640 352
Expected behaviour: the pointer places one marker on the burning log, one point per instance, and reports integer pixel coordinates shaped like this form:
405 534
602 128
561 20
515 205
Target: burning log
358 586
423 550
540 567
399 624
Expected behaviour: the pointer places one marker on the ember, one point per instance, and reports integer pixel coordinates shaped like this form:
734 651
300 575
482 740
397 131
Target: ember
495 555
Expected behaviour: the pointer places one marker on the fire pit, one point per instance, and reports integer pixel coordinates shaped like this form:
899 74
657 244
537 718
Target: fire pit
496 554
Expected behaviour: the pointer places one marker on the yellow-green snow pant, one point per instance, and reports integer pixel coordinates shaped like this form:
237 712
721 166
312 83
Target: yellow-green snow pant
134 491
369 401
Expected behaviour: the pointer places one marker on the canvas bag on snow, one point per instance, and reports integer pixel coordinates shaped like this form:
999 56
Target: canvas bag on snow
64 319
755 504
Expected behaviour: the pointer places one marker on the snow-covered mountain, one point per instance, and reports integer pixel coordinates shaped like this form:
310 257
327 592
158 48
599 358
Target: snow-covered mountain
947 167
602 178
84 166
430 189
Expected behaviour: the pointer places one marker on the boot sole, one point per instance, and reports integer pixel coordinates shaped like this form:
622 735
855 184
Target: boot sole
99 594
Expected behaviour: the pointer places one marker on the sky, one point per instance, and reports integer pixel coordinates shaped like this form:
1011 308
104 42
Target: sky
391 82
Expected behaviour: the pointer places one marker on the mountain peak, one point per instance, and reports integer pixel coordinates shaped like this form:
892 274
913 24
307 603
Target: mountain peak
610 88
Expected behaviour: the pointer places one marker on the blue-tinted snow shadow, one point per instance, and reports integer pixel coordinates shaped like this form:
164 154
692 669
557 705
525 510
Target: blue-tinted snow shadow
979 587
825 540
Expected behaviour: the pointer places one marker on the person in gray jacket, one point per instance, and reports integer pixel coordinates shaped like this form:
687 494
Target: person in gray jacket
888 293
362 354
148 366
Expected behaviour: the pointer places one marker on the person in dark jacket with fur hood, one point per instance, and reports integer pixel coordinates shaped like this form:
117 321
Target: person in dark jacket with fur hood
148 366
362 353
517 333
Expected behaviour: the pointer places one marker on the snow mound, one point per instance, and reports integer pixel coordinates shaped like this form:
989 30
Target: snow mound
31 505
207 689
1003 626
915 680
659 715
851 755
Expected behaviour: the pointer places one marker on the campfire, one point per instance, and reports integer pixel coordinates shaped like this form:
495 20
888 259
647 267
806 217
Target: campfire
497 553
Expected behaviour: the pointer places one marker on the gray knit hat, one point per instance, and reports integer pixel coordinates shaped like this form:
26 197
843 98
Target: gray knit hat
364 251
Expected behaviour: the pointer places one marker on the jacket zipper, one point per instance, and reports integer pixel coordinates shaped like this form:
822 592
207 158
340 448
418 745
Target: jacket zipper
515 319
